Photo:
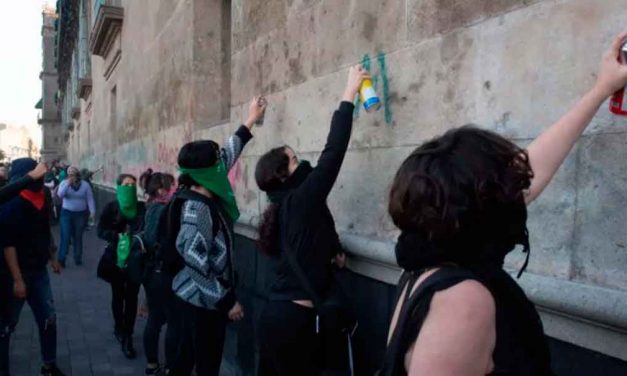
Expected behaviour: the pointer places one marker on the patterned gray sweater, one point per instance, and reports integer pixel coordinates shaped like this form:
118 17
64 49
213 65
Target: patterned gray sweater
206 278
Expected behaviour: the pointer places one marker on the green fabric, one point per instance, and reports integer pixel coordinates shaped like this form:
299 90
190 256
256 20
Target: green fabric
124 249
216 181
62 175
127 199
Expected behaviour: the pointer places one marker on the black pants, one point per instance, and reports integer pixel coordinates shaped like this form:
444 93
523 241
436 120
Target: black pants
288 344
124 305
201 339
161 311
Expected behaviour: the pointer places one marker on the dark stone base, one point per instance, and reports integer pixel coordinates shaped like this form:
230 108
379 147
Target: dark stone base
373 302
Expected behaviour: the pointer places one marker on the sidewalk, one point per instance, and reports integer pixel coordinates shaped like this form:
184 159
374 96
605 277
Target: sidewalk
85 344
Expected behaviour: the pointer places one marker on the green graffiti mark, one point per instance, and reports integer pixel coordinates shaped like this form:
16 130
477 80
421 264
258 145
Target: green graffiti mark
383 71
380 76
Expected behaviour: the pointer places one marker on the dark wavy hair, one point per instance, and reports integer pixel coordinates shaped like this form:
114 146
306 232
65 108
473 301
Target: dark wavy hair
151 182
197 154
121 178
270 173
468 180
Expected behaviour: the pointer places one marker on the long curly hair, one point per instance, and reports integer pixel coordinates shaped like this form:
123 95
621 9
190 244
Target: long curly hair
270 173
468 180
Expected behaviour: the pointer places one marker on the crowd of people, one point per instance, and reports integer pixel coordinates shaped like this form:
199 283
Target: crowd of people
460 201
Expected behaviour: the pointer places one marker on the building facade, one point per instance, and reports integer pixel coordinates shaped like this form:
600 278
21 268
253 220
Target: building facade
140 78
53 138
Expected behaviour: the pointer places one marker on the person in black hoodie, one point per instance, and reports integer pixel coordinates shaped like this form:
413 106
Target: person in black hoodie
119 222
287 326
460 201
27 248
158 188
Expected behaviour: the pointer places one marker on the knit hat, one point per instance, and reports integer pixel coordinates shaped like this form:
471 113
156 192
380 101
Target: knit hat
21 167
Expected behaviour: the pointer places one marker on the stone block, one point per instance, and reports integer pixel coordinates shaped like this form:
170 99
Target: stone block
600 238
427 18
250 19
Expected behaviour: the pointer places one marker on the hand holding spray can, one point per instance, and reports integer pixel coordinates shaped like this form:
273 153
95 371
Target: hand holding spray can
618 103
368 96
261 102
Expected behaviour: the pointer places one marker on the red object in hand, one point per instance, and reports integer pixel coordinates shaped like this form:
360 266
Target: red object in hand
618 102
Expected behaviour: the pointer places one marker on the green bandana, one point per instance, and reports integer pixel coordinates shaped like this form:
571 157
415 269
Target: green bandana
216 181
127 198
124 249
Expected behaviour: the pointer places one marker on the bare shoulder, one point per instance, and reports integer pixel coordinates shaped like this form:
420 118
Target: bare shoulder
468 299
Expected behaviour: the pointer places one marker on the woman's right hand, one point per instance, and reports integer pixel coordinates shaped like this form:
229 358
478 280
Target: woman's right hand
356 74
612 73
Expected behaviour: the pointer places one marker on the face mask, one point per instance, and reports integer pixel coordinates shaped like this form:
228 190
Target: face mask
127 199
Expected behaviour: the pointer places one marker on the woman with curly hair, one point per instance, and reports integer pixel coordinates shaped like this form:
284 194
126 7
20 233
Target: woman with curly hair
460 201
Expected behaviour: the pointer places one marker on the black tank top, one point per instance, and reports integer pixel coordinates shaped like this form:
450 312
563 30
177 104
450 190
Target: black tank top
521 347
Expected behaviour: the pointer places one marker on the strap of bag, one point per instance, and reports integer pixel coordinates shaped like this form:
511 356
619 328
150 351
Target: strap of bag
300 274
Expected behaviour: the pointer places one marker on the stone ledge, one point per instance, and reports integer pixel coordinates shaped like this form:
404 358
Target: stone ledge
589 316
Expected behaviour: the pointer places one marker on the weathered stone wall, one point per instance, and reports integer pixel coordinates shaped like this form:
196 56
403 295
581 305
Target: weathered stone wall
189 67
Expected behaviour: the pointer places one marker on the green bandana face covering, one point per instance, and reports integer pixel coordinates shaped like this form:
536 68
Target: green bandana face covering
127 199
216 181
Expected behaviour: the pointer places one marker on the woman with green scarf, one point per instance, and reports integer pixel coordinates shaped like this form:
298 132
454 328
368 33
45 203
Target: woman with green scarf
120 220
203 281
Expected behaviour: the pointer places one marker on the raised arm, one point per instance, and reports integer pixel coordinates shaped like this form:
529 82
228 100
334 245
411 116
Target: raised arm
235 144
548 151
13 189
319 183
63 187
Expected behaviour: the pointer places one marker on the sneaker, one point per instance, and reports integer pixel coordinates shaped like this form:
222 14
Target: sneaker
128 349
51 370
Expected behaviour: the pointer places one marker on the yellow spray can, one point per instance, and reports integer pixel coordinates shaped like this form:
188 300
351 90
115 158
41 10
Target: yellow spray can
368 96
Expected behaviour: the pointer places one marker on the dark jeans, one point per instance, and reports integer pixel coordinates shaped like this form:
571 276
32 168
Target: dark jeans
201 342
73 226
40 300
124 305
288 344
159 301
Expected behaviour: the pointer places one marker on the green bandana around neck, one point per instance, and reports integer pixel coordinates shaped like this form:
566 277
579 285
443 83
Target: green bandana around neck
216 181
127 199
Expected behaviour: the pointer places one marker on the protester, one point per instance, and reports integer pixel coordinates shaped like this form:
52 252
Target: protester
158 188
27 249
119 221
13 188
78 207
288 342
4 176
204 283
460 202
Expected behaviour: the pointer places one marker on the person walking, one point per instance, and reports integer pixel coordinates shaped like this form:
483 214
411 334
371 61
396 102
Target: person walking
27 249
78 206
119 222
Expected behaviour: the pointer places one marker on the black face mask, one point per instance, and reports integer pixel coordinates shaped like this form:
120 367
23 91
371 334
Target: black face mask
296 179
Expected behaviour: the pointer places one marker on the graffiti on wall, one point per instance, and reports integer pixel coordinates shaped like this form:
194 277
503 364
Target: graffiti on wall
381 84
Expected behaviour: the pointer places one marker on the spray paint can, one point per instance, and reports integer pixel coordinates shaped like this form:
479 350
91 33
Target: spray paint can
261 101
618 103
368 96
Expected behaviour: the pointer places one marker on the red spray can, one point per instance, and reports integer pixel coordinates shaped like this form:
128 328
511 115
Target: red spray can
618 103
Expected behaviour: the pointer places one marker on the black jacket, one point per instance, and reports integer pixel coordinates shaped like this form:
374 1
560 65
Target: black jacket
28 230
112 223
310 229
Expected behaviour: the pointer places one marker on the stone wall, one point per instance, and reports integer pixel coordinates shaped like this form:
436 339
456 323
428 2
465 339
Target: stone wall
189 67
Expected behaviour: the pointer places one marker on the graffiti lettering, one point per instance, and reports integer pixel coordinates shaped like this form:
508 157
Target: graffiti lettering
378 76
